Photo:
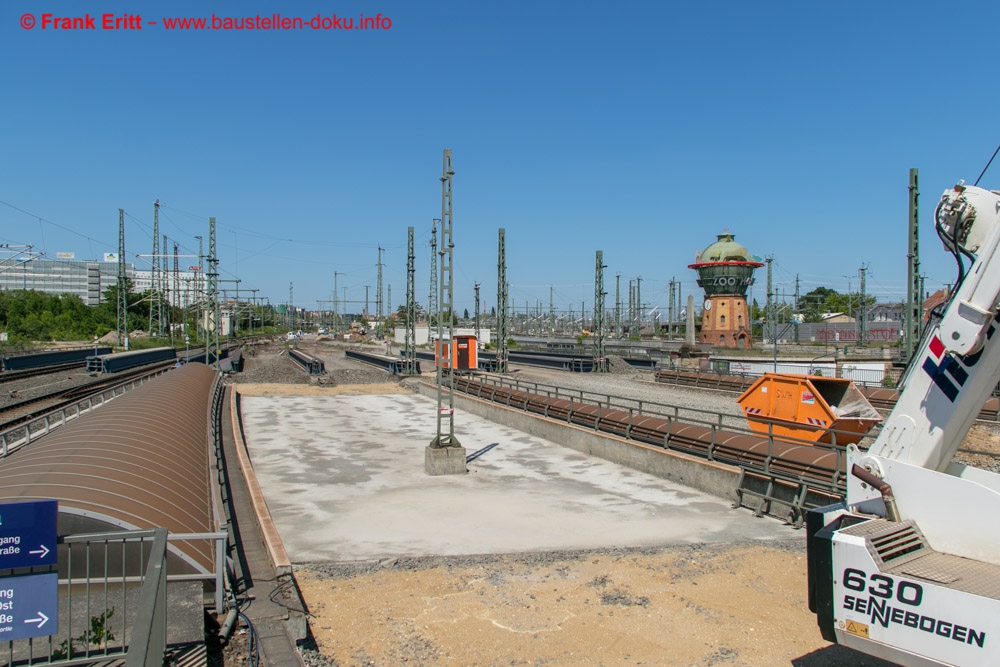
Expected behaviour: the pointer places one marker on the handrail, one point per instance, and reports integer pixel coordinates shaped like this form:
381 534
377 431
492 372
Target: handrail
149 632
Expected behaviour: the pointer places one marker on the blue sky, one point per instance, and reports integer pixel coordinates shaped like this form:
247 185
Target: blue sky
642 129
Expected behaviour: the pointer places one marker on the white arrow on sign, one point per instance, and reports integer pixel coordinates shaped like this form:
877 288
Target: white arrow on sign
43 551
41 620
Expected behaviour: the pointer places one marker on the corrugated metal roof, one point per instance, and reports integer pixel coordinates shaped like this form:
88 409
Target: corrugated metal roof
140 461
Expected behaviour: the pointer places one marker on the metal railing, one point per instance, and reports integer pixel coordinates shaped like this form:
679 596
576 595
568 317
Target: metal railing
713 448
150 628
112 599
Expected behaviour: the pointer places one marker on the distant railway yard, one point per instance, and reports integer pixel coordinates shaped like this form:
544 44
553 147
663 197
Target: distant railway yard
615 518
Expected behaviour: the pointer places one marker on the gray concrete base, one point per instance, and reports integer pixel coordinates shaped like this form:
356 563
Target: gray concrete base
444 460
715 478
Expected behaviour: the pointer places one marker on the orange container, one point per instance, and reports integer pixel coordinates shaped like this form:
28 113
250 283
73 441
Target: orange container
808 408
460 353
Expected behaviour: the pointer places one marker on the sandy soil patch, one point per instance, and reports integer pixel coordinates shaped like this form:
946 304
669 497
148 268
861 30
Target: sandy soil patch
691 605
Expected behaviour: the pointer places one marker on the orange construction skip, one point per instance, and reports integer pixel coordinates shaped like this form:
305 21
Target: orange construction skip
808 408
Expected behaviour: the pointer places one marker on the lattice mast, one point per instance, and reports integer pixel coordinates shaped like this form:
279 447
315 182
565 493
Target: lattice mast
336 304
155 297
914 289
410 339
212 289
502 324
199 287
863 320
177 275
446 308
770 321
618 305
122 284
432 296
476 286
379 315
600 360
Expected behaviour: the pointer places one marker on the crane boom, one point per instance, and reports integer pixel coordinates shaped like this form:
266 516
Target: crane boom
908 567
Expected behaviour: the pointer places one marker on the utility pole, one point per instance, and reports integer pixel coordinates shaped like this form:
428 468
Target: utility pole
446 440
177 276
213 292
670 312
618 305
638 302
862 321
552 312
502 334
199 284
797 309
769 319
476 287
122 284
289 317
410 338
236 311
914 290
432 297
253 311
336 305
600 361
378 297
155 304
165 282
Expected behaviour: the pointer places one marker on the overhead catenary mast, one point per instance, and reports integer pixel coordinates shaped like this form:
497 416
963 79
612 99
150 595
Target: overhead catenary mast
445 455
432 296
156 296
213 294
502 324
378 298
445 310
600 361
410 339
122 284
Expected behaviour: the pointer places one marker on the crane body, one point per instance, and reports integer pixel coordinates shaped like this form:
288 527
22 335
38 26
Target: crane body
908 567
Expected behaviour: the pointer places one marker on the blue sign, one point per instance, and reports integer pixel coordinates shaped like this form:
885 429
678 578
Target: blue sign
28 534
29 606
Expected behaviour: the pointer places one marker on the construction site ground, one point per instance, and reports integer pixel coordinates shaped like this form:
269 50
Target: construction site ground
731 604
739 601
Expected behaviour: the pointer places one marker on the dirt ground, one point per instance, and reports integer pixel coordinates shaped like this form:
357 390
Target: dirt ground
692 605
981 448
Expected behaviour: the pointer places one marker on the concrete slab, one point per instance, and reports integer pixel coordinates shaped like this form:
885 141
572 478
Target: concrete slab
344 480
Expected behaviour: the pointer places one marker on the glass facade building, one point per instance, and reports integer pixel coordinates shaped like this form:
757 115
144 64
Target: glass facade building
85 279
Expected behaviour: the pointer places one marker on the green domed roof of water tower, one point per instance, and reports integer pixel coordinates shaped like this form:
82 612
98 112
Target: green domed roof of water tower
725 268
725 249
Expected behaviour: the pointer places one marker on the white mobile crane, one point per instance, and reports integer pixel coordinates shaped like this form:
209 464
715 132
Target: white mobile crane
908 568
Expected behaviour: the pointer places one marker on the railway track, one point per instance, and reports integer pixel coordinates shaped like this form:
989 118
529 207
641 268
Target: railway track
11 376
17 414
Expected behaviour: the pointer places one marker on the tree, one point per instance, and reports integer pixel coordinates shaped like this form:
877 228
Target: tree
400 313
466 316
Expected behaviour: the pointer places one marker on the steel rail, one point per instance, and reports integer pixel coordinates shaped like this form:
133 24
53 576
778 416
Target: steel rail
69 404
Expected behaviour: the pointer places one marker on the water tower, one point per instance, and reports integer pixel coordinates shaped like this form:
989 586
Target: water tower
725 271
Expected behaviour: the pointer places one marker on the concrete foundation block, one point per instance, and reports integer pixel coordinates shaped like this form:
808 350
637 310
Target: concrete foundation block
444 460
